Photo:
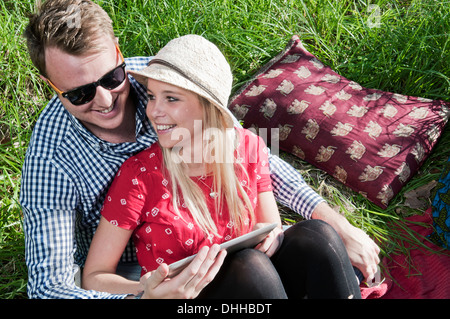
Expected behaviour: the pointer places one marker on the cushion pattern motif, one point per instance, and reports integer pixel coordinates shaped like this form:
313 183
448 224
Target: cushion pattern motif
370 140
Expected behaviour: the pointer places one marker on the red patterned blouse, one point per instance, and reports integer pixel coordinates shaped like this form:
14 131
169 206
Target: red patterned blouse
140 199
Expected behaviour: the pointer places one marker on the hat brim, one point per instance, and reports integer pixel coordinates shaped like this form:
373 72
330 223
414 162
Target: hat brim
167 75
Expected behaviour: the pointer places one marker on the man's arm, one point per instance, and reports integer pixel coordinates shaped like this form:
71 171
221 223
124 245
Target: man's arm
292 191
48 200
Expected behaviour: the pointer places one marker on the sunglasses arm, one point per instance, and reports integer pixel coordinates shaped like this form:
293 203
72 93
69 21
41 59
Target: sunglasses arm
54 87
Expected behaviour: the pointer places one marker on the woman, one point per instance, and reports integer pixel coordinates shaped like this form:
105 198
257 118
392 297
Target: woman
206 182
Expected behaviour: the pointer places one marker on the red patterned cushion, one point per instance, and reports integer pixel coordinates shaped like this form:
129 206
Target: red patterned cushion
370 140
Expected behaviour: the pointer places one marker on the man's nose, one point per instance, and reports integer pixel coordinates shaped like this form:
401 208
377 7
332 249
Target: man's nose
103 97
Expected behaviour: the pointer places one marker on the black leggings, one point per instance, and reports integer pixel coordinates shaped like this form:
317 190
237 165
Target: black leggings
312 262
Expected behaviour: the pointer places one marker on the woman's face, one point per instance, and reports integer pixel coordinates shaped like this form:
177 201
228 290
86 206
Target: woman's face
176 114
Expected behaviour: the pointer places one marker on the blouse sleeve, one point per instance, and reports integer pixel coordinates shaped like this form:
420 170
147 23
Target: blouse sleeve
263 172
258 160
126 197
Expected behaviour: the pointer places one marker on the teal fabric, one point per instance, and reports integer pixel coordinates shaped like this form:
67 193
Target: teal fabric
441 210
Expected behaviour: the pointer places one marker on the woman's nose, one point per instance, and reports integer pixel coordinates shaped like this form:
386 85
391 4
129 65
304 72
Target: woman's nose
155 109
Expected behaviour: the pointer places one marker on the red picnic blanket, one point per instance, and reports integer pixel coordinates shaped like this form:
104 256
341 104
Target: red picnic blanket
419 274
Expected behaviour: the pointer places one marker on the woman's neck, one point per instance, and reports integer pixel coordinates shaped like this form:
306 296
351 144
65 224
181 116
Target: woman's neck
193 156
195 169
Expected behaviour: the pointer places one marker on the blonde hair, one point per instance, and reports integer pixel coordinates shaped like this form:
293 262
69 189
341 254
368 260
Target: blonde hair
225 170
73 26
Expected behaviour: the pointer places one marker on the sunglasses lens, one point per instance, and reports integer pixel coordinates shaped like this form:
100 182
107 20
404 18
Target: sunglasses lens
114 78
81 95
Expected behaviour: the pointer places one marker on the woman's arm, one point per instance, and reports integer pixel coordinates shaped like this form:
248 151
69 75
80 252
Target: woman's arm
266 212
99 272
106 249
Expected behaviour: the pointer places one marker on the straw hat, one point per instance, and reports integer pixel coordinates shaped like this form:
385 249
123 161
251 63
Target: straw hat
195 64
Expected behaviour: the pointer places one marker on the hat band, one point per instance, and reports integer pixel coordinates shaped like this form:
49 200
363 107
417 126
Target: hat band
178 70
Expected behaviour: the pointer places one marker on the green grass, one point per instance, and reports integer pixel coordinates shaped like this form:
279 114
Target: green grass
406 52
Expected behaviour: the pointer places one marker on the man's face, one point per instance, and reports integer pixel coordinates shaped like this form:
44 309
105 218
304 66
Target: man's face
106 114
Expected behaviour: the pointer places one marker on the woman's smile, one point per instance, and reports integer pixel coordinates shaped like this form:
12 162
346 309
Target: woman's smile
173 112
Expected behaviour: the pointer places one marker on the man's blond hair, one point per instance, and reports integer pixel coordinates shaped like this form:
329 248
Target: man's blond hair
73 26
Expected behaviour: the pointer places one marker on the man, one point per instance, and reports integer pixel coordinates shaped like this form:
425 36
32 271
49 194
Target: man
94 123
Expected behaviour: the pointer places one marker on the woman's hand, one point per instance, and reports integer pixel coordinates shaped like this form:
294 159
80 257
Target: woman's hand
267 213
272 242
188 283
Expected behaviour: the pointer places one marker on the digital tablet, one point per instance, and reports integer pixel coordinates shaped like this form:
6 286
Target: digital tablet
248 240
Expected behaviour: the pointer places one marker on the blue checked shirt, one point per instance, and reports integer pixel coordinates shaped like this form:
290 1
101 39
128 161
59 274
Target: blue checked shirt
65 177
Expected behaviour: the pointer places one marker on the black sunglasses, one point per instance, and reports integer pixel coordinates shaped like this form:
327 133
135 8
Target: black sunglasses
86 93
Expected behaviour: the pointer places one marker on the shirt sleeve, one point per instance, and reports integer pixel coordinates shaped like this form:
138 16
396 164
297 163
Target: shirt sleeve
290 189
48 201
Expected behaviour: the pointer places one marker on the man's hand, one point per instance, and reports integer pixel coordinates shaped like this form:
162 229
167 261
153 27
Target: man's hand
362 250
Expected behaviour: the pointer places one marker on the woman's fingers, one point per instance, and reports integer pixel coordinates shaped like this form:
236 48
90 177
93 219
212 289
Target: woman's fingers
188 283
201 271
271 243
